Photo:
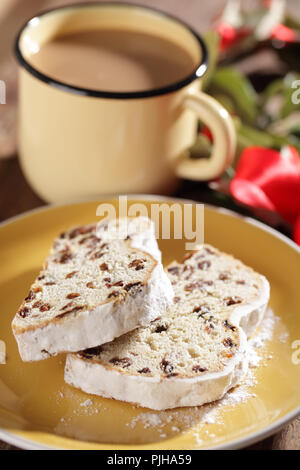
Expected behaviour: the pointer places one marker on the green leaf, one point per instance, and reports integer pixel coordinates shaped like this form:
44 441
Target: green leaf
283 89
201 148
292 22
225 101
211 39
249 136
229 81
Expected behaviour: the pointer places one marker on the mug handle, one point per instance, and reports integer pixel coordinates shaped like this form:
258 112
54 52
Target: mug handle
218 120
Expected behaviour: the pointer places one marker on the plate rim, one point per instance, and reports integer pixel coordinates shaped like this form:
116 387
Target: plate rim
229 212
27 444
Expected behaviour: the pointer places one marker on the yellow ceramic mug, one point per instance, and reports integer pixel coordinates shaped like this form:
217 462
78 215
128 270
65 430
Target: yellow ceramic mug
79 143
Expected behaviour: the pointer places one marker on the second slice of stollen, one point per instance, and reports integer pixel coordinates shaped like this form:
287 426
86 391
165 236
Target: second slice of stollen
192 355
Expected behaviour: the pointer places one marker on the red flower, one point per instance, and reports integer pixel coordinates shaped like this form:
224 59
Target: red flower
229 36
297 231
270 179
283 33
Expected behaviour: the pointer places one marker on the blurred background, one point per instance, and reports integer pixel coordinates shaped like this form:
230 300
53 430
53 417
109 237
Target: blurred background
254 49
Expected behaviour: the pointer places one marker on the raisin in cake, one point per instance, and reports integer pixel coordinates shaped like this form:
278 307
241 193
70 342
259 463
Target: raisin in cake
92 290
192 355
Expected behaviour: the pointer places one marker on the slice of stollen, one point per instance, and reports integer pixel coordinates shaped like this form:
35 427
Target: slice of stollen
192 355
96 285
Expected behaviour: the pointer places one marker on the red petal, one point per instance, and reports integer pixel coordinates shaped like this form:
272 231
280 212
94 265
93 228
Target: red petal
276 175
254 160
250 194
297 230
283 33
206 131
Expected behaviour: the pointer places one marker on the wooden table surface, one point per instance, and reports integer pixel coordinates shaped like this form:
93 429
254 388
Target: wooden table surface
17 197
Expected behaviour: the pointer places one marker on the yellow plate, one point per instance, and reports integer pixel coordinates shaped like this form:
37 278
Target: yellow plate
37 410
